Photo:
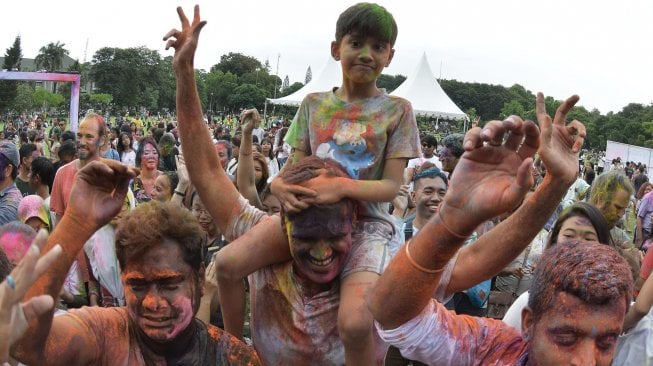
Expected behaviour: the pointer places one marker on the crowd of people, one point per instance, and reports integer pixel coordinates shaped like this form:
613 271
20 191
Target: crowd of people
344 237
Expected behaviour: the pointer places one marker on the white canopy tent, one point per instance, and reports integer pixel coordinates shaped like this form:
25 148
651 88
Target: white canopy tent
330 76
426 95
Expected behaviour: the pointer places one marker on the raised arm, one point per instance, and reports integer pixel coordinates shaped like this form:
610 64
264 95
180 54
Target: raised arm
203 165
97 196
490 179
559 147
245 175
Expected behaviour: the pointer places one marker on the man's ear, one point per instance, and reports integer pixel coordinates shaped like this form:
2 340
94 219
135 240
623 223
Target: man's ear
527 323
335 50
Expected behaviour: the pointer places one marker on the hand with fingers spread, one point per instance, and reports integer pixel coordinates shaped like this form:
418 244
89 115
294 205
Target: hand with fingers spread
185 41
560 141
99 191
491 177
14 315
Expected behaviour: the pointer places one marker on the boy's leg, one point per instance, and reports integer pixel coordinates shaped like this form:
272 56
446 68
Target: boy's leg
355 322
368 258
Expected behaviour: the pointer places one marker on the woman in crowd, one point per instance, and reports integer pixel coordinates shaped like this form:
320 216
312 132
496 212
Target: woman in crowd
147 159
578 222
164 186
273 164
126 149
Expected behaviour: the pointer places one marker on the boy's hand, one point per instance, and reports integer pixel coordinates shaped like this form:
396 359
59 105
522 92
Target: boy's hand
185 42
294 198
328 189
249 120
400 203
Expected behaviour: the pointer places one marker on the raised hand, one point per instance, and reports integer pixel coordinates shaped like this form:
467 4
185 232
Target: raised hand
99 191
560 142
249 120
185 41
15 316
492 176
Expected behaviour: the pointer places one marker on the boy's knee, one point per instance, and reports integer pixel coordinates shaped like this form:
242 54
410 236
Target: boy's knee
355 326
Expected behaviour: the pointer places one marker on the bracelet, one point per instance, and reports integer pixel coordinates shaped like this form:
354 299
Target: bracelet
447 227
180 193
416 265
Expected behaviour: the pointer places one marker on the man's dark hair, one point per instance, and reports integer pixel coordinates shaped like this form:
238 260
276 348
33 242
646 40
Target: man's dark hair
594 273
430 140
3 164
67 148
433 172
152 222
26 151
367 20
44 169
67 136
454 143
236 140
158 133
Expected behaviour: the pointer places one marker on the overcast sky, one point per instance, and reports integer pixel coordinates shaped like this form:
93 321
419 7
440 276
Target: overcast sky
601 50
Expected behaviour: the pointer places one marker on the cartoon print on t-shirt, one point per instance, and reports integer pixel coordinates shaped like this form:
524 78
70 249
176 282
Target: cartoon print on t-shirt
349 148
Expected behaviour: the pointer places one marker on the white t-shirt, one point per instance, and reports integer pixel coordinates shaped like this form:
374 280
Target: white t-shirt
128 158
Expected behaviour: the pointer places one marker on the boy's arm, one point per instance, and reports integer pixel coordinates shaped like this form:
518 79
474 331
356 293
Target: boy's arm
288 194
97 196
333 189
498 247
202 162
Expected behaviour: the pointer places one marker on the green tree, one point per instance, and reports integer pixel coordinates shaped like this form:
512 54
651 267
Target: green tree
12 60
45 99
50 57
247 96
291 89
24 101
133 76
389 83
237 64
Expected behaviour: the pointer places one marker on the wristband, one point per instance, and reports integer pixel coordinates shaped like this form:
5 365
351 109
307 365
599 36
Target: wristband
416 265
180 193
447 227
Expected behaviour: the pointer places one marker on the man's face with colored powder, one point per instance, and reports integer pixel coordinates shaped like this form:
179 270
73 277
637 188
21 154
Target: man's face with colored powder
320 241
447 159
616 208
162 292
573 332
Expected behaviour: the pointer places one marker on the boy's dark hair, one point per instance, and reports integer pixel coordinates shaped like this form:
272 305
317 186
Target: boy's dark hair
367 19
5 266
43 167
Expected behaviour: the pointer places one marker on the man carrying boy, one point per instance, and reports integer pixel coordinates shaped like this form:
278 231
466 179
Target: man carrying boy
372 135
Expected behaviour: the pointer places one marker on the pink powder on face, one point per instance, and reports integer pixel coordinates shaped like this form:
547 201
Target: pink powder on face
15 245
184 308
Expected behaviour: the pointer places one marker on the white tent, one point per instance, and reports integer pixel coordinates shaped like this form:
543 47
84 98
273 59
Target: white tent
426 95
330 76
